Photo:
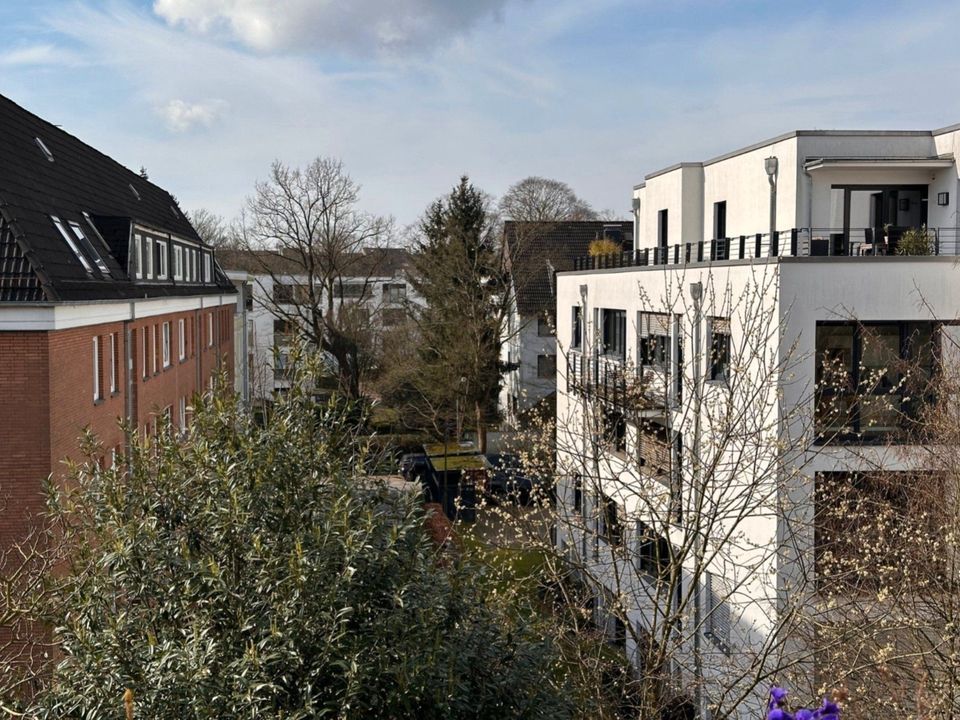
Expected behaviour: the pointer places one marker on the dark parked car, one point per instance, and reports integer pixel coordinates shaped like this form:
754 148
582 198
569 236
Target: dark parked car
413 466
506 478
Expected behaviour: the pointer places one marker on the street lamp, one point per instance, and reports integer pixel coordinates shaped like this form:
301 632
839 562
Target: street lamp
771 164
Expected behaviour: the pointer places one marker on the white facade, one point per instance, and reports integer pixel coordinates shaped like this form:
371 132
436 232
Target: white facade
747 432
386 298
530 353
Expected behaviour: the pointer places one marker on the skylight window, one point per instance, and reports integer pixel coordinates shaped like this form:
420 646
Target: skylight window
89 248
44 149
134 191
65 234
173 209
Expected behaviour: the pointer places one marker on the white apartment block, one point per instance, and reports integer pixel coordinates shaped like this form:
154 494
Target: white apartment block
690 366
272 287
534 253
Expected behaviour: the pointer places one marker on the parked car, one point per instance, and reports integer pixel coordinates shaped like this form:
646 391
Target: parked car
506 478
413 466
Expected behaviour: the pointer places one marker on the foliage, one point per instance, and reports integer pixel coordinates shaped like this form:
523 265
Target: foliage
457 271
248 571
603 246
539 199
915 241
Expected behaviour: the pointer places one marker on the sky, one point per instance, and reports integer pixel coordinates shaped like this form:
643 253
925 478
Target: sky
412 94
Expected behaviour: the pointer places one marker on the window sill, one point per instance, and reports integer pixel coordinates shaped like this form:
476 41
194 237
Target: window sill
98 401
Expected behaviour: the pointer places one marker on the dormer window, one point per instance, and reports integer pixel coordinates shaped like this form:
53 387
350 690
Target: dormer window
134 191
44 149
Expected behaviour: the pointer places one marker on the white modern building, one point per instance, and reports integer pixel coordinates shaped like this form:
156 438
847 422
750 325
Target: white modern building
534 253
695 419
272 286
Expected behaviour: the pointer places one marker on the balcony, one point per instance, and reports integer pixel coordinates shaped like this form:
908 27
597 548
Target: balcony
797 243
638 392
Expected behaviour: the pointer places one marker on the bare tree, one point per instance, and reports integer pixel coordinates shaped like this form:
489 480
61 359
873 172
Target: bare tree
213 229
323 256
541 199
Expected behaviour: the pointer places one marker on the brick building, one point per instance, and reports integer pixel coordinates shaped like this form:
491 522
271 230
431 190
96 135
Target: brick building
111 306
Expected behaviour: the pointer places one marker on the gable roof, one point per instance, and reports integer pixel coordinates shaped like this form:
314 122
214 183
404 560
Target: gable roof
374 262
79 182
538 250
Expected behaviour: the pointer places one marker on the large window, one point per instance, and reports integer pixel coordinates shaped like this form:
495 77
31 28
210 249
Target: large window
394 292
663 231
576 335
872 378
544 327
719 369
654 340
547 366
182 340
88 247
162 260
97 390
113 363
614 326
610 526
166 344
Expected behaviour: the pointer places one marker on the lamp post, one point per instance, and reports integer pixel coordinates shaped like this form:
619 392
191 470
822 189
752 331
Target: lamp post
771 164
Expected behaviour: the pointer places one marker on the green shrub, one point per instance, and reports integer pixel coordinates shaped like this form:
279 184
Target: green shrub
915 242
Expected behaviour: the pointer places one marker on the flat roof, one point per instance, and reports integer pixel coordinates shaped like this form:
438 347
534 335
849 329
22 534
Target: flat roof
799 133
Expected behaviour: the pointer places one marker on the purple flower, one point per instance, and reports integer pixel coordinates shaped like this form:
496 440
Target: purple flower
828 711
779 714
776 708
778 697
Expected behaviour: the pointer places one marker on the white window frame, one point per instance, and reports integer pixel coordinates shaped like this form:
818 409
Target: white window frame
97 396
149 258
153 346
182 339
71 241
113 363
165 332
207 263
138 256
183 414
143 353
162 269
210 329
177 262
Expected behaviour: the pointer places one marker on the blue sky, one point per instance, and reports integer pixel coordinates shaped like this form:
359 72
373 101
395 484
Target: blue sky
412 93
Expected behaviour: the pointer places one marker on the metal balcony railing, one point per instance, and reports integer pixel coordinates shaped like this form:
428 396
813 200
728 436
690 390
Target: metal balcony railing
636 392
797 242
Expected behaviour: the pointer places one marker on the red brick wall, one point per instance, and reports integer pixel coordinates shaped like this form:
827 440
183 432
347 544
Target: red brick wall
24 427
47 391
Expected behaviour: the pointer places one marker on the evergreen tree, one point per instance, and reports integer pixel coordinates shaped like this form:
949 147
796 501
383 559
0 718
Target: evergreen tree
456 269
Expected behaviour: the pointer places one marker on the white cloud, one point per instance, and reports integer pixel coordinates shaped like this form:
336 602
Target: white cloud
40 54
181 116
362 26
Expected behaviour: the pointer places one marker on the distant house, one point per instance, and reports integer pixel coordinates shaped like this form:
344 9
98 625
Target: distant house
273 284
535 252
111 307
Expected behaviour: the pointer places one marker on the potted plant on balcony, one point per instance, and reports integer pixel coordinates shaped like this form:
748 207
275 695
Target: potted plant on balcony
915 241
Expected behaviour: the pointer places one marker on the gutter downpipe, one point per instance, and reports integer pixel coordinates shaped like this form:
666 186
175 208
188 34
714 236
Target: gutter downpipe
128 353
696 293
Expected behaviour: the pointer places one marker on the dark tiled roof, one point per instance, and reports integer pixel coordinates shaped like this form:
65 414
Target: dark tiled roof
80 180
377 262
535 251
